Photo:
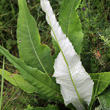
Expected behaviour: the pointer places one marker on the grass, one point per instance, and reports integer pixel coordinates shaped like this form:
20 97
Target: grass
95 20
2 84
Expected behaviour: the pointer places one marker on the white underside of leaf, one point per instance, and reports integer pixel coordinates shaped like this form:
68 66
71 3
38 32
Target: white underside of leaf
68 67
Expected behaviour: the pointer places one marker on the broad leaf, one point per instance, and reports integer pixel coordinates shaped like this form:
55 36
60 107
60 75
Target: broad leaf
104 100
76 84
101 81
18 80
70 23
31 51
41 81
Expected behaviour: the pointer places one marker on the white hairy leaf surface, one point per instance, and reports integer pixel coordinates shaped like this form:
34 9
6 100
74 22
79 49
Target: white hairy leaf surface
76 84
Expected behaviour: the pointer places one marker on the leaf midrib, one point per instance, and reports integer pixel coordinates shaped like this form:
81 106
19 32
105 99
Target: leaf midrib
65 60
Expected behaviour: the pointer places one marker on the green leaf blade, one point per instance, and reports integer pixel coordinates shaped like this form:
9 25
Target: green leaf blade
104 100
101 80
18 80
70 23
31 51
41 81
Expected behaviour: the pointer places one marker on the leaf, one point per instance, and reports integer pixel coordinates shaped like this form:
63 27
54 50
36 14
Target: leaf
18 80
70 23
31 51
104 100
55 46
101 81
76 84
41 81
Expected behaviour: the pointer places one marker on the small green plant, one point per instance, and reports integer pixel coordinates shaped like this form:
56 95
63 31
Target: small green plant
36 64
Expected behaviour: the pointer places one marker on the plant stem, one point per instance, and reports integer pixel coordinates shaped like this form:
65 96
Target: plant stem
2 84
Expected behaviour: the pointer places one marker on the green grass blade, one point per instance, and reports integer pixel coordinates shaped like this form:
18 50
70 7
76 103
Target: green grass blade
2 84
5 106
